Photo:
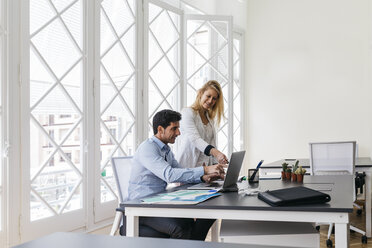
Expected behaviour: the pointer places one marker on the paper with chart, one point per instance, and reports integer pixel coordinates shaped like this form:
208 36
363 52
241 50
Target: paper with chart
182 197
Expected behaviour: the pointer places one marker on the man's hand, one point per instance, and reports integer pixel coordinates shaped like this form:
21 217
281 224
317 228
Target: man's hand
212 177
211 169
222 159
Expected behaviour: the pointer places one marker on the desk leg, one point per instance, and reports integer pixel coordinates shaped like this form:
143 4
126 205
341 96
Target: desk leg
116 224
215 231
132 226
342 235
368 204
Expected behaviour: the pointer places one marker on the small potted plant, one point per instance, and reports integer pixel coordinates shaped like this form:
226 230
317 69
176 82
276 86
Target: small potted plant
288 174
294 168
300 174
284 166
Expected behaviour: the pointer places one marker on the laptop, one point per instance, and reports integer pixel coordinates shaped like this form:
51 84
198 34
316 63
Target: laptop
231 177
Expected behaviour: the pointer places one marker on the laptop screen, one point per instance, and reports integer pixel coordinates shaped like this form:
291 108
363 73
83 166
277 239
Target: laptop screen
233 170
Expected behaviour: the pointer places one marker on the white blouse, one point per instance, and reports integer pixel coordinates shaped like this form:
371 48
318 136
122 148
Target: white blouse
194 138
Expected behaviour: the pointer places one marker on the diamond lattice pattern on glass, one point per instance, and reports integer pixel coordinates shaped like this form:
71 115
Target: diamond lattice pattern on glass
164 61
237 144
117 88
55 107
207 59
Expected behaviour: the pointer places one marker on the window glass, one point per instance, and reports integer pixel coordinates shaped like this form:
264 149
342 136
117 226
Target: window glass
117 88
56 60
164 61
237 114
207 59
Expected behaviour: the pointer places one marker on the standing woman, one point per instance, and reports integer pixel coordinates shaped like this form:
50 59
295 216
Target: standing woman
197 141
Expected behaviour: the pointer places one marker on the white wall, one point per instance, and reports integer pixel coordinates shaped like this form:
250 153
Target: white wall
235 8
206 6
308 76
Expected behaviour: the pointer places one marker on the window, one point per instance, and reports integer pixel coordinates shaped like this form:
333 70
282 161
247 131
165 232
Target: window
208 45
238 128
55 90
2 82
77 156
46 141
117 87
68 155
51 134
63 132
113 132
51 119
163 72
51 161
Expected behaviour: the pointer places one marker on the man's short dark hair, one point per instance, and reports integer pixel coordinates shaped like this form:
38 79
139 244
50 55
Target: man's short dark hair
164 118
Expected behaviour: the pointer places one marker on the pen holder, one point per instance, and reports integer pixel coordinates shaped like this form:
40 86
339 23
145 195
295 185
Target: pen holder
253 176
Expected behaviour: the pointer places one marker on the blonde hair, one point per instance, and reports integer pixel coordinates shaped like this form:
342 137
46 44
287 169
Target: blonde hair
218 109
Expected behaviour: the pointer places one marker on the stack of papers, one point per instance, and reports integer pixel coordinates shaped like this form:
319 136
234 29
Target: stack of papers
182 197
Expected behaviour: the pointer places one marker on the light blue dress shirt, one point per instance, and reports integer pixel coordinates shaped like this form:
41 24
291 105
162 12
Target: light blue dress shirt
154 166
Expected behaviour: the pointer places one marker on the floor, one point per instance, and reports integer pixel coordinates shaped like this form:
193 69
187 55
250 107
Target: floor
355 238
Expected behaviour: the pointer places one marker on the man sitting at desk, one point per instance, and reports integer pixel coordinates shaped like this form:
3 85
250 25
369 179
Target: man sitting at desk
154 166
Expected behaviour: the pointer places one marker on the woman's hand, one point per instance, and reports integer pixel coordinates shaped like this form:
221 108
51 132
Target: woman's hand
222 159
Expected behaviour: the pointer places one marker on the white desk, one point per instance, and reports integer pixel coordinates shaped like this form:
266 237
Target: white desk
234 206
361 164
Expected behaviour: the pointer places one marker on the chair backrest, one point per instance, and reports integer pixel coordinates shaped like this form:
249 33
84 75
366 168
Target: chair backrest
332 158
122 167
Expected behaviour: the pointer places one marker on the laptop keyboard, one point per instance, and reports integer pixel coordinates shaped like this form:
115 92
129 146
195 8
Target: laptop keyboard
213 185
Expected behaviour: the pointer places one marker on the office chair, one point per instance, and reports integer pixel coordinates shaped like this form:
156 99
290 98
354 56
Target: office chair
360 181
121 167
334 158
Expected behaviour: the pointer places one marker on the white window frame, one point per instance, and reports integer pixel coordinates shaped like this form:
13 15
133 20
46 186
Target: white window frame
13 190
92 124
146 57
228 20
240 35
103 212
66 221
3 162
